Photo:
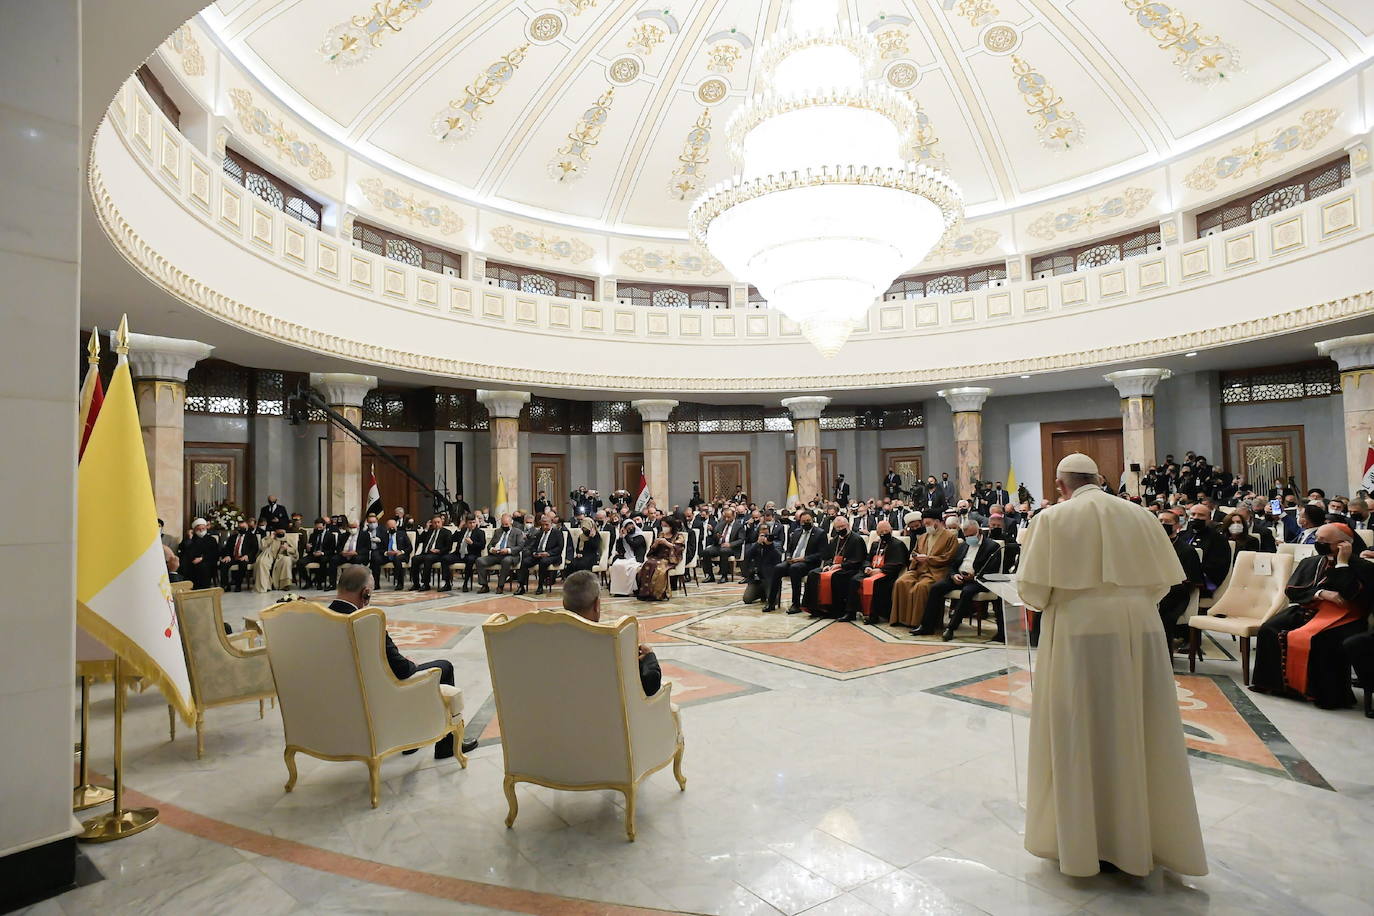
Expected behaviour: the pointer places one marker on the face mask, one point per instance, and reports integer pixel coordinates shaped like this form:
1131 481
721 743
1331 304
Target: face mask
1236 528
1168 529
1323 548
972 540
1197 524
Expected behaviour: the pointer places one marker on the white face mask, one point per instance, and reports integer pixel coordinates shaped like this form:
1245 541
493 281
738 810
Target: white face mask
1235 528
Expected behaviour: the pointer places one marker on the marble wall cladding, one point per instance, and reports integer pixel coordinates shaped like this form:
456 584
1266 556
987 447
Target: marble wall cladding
162 416
1137 438
505 458
968 449
656 465
809 482
39 240
1357 403
345 467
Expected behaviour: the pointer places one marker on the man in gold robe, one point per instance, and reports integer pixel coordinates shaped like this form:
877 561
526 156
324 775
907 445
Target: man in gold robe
1109 786
276 559
930 558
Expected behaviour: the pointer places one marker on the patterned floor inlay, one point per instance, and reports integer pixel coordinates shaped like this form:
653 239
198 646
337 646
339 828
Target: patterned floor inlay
410 634
1218 718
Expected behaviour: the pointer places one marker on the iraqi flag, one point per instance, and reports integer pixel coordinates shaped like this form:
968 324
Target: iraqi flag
644 496
92 393
1367 481
374 496
123 597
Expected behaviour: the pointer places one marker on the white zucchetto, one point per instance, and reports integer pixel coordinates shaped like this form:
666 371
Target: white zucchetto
1077 463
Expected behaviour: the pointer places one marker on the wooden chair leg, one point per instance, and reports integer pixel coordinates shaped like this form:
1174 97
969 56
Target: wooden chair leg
374 779
290 756
513 806
171 723
1245 660
1194 641
630 812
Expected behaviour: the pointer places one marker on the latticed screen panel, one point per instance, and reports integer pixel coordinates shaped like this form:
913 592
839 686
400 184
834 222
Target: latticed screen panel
558 416
1277 197
614 417
545 282
391 409
406 250
274 191
459 409
946 282
215 387
1281 383
662 295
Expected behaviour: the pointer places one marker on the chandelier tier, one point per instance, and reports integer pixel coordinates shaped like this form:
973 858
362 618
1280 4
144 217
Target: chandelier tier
824 211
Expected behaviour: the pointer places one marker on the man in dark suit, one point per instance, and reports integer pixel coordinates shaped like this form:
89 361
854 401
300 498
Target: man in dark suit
543 548
238 552
468 546
1000 496
1216 553
355 547
431 545
1175 601
724 544
761 538
393 546
503 552
319 549
841 491
801 553
273 515
843 561
975 556
948 491
892 483
582 596
355 591
1258 529
199 554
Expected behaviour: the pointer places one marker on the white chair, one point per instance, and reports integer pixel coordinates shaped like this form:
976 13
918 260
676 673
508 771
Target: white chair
603 565
1205 603
223 669
340 700
692 556
1366 535
1298 552
1253 596
583 722
678 574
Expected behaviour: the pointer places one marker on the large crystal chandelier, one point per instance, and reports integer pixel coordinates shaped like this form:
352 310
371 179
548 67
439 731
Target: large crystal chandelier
824 210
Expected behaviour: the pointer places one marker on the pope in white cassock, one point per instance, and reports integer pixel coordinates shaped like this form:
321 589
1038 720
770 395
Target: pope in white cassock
1108 775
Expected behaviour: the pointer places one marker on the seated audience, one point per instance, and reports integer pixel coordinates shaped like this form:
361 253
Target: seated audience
239 552
199 554
628 553
275 560
431 546
870 594
355 549
827 586
468 546
801 552
1309 518
724 545
975 556
589 554
1359 654
1216 555
1175 602
582 596
543 548
931 554
393 546
652 581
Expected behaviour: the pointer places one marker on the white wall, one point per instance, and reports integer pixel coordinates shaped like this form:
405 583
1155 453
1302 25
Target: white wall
40 146
1323 423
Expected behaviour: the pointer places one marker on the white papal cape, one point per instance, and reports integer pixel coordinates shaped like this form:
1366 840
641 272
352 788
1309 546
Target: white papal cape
1108 775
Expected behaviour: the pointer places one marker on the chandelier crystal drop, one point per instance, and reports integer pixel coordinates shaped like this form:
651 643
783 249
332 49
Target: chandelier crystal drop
823 211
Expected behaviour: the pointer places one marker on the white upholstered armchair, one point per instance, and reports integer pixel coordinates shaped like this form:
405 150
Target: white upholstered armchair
338 697
572 710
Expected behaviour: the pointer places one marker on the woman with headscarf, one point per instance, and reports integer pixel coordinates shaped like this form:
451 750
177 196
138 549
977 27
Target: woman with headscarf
665 553
629 553
590 554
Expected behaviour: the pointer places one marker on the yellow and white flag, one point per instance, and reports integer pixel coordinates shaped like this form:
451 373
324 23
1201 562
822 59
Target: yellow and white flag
502 502
792 498
1011 481
123 597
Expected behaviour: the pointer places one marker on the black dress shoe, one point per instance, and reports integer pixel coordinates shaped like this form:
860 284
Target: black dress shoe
443 749
948 634
469 745
847 618
415 587
484 589
998 637
921 631
769 609
539 590
446 587
794 609
870 621
409 752
520 590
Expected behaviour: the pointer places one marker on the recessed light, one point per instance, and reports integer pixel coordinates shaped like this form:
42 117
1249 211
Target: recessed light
1025 376
1193 353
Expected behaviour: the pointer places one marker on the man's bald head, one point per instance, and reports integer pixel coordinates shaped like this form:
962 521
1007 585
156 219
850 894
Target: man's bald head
1335 535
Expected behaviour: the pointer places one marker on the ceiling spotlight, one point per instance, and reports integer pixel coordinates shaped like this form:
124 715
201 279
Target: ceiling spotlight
1191 353
1025 376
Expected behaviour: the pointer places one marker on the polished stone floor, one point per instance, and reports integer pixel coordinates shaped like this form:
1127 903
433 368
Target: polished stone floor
833 769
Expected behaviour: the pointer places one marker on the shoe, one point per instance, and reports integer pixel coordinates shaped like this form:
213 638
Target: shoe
400 588
948 634
794 610
998 637
415 587
520 590
847 618
466 587
769 609
484 589
1106 867
710 579
469 745
870 621
539 590
409 752
446 587
443 749
921 631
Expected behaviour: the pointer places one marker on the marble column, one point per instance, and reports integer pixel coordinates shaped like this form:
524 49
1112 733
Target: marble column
967 404
1137 390
655 415
1355 357
159 366
344 392
504 409
806 427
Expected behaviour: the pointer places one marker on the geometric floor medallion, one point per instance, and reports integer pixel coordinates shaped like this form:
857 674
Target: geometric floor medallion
1219 720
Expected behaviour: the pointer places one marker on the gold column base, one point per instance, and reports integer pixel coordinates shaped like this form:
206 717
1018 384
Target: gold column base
90 795
117 825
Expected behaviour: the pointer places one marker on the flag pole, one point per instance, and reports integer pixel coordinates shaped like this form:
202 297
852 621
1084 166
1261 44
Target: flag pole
121 821
87 794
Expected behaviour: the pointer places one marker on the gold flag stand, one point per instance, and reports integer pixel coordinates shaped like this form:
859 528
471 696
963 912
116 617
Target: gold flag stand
120 822
87 794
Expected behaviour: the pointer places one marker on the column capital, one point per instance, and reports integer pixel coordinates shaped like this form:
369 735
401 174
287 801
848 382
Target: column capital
806 408
342 389
503 404
1354 352
1137 383
965 400
167 358
654 410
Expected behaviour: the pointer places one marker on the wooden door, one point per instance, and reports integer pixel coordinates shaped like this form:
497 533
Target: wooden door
548 473
910 463
1100 440
395 488
722 473
627 468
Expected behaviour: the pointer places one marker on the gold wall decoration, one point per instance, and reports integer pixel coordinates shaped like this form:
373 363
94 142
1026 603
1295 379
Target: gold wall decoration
541 244
438 217
459 118
1089 215
545 27
722 56
959 241
352 41
890 33
923 145
1253 157
577 7
1000 39
183 42
573 157
279 138
977 12
1203 59
712 91
902 74
1056 126
646 36
625 70
687 178
667 261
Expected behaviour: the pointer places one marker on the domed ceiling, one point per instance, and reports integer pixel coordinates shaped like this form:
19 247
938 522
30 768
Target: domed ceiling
612 113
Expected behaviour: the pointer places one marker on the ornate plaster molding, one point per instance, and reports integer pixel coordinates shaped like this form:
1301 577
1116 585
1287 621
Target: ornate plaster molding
503 404
343 389
1354 352
654 410
1138 383
806 408
965 400
165 358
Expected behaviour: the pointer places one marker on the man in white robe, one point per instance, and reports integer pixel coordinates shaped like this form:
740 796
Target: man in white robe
1108 776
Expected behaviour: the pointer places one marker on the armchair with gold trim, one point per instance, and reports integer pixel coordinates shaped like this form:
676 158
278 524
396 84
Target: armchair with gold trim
223 669
572 709
338 697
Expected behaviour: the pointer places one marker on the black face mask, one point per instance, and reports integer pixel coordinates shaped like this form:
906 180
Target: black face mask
1323 548
1198 524
1168 529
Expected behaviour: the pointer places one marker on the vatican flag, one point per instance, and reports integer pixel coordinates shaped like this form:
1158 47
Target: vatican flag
123 597
792 497
502 502
1011 481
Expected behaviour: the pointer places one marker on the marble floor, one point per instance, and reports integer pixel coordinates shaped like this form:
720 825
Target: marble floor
833 769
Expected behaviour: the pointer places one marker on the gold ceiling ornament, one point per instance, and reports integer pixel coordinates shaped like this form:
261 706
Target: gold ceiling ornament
1091 214
457 120
977 12
546 26
959 241
892 43
576 7
722 56
712 91
1000 38
625 70
279 138
440 218
646 36
923 145
352 41
1056 127
552 247
1203 59
902 74
669 261
183 42
573 157
687 178
1253 157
